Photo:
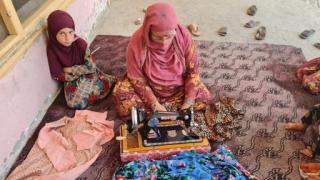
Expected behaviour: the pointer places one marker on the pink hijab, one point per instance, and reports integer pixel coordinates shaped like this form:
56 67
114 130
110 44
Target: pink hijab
162 65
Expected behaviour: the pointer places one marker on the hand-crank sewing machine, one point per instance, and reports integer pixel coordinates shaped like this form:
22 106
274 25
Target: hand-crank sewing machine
159 131
150 126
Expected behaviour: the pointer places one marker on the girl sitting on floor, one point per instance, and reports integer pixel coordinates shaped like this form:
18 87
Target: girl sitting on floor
71 62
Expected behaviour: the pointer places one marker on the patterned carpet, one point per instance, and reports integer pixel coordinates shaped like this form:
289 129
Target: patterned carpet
259 76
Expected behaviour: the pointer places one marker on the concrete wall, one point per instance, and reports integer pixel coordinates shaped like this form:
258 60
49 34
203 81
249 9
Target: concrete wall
28 90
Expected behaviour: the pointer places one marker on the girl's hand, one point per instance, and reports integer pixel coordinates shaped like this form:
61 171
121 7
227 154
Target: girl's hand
67 70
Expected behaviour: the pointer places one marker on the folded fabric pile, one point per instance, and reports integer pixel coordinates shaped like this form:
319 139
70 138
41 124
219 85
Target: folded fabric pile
189 165
66 148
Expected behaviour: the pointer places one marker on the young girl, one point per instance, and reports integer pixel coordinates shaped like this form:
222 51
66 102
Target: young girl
71 62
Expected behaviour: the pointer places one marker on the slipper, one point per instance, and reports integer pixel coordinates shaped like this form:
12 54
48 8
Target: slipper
261 33
194 29
317 45
307 33
295 126
306 152
138 21
222 31
252 24
144 10
252 10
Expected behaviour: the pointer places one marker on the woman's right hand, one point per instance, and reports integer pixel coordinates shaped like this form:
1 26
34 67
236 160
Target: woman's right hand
157 107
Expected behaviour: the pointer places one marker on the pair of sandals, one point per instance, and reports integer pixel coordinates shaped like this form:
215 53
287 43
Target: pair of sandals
261 32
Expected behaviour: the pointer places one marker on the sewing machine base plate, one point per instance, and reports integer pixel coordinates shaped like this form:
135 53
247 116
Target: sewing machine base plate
135 147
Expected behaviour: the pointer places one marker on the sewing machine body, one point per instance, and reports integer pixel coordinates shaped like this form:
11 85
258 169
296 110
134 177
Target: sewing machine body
156 131
172 137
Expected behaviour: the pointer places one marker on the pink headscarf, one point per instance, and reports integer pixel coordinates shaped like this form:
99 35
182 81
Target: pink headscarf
60 56
162 65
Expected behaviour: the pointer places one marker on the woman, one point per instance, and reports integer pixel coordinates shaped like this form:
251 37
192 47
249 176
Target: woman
309 74
70 62
162 67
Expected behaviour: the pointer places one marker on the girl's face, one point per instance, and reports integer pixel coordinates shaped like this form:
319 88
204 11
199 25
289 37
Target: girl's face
165 37
66 36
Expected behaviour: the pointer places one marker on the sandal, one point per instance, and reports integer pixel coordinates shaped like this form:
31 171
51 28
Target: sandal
307 152
194 29
138 21
307 33
222 31
261 33
295 126
317 45
144 10
252 10
252 24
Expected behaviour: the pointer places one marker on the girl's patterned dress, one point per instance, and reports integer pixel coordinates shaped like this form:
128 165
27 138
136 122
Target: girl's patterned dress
86 84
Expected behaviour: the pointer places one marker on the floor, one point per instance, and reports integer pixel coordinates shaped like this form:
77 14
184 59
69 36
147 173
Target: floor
284 20
260 77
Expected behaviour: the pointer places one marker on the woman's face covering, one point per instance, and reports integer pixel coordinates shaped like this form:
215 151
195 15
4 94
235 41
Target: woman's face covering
165 37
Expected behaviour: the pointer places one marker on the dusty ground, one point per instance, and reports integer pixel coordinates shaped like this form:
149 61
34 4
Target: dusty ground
284 20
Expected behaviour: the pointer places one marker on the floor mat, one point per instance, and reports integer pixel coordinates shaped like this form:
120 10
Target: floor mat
261 77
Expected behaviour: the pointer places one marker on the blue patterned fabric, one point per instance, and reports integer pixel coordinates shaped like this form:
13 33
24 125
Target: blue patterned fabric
189 165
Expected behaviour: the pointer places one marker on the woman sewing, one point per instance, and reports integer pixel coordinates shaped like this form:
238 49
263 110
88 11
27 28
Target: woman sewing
162 67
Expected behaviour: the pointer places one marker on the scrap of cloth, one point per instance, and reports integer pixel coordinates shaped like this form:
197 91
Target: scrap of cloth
189 165
66 148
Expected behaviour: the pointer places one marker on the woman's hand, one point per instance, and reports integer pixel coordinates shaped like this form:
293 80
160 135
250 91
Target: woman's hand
67 70
158 107
185 106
